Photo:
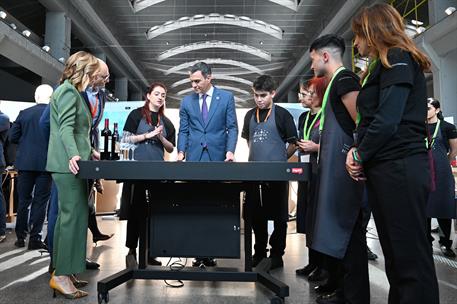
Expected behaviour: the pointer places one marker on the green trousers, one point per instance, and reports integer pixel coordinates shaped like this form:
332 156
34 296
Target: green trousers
70 232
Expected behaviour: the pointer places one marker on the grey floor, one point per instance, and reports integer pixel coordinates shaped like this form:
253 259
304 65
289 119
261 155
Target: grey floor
24 278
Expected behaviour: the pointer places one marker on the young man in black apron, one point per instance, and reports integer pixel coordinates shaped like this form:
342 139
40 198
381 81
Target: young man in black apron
268 129
338 231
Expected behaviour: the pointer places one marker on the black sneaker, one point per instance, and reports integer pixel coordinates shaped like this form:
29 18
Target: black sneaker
36 244
276 262
325 289
332 298
317 275
447 251
19 243
305 271
371 255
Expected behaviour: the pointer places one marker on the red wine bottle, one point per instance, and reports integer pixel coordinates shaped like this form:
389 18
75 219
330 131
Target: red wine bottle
106 135
115 143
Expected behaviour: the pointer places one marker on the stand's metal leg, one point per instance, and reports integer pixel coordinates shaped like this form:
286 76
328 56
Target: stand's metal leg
247 241
144 235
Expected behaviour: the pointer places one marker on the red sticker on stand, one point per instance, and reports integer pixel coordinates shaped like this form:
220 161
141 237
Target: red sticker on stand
297 171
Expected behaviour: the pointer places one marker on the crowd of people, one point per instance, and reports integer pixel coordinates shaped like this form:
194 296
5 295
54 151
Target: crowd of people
374 143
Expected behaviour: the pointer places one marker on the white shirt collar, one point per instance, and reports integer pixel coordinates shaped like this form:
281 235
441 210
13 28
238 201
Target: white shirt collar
209 93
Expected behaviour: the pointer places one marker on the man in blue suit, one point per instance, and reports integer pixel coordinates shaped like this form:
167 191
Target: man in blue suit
208 129
34 183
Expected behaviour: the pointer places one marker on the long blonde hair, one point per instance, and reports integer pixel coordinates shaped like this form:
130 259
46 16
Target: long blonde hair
79 69
382 27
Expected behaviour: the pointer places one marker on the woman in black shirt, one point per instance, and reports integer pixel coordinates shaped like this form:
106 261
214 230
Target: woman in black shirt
311 95
442 140
153 132
391 154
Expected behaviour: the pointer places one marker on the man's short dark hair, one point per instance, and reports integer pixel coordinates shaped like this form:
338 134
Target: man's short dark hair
203 67
264 83
330 41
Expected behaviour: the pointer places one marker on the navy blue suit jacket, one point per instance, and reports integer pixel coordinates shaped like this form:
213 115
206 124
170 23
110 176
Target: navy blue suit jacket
219 134
32 149
4 126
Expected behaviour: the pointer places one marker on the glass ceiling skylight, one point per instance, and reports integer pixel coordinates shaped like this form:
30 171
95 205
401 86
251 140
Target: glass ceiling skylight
214 44
214 18
240 64
138 5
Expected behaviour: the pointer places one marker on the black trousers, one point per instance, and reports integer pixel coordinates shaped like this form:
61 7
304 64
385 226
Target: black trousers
356 283
349 276
398 193
277 238
136 223
315 257
34 189
445 231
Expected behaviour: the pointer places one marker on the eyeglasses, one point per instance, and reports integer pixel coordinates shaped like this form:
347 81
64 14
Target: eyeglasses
104 77
306 93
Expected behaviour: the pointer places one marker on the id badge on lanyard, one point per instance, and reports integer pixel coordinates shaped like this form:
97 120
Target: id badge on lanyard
305 158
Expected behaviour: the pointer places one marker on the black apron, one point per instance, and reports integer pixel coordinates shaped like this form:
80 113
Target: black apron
270 199
151 149
441 202
306 196
339 197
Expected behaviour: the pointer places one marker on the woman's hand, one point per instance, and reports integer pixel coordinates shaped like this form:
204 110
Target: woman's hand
95 155
307 146
73 165
354 168
156 132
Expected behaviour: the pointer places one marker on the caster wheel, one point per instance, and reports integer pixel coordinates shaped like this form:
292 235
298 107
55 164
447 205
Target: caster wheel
277 300
103 297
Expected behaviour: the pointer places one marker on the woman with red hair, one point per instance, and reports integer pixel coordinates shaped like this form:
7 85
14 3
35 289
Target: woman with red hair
154 133
311 95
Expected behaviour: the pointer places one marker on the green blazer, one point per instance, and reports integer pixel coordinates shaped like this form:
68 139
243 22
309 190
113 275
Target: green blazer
70 120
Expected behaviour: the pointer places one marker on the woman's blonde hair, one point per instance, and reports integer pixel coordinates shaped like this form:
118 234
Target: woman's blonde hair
79 69
382 27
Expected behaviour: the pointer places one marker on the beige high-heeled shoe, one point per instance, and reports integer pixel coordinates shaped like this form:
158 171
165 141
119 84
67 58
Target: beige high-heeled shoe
59 289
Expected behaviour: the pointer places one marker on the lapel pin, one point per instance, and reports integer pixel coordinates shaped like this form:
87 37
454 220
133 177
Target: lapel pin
217 97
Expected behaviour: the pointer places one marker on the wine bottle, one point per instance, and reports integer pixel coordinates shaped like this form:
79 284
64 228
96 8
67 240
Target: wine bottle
115 143
106 135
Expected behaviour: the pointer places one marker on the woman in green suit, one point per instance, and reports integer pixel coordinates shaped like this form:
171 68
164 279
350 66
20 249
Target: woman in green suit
69 142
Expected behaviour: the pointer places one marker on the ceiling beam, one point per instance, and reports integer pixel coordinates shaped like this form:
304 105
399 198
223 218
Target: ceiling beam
343 14
91 36
236 63
214 44
214 18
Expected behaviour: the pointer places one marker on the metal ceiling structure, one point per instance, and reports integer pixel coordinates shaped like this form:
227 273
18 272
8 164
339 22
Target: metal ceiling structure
240 39
158 40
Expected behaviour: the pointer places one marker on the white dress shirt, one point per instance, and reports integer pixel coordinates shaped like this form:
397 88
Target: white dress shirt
208 98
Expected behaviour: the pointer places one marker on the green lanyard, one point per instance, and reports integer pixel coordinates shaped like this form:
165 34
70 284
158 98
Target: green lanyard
307 130
371 67
434 135
325 99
